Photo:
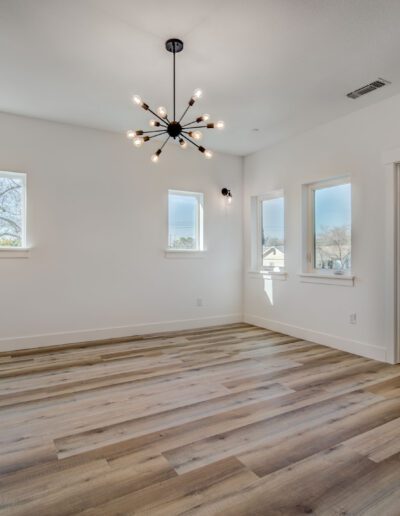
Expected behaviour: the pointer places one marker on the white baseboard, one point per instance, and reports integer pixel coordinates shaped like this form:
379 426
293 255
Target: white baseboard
351 346
54 339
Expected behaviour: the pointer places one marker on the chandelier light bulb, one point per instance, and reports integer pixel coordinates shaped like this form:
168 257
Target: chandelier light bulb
138 142
208 154
156 156
196 135
131 134
220 124
137 100
161 111
154 123
182 143
229 199
197 94
203 118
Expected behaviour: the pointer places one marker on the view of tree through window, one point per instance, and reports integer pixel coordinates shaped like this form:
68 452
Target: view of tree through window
273 233
183 223
11 210
332 227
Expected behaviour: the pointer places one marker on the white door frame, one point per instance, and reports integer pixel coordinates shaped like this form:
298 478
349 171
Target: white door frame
391 160
396 202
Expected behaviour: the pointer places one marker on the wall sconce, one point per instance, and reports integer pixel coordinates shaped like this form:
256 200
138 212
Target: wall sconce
227 193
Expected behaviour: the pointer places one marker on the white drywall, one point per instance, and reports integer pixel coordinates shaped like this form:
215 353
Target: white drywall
353 146
97 225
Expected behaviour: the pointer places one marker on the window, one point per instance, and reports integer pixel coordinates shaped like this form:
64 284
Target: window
185 221
272 213
273 233
329 226
12 210
268 232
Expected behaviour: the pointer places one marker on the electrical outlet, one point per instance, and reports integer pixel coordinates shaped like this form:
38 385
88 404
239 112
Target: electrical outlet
199 301
353 318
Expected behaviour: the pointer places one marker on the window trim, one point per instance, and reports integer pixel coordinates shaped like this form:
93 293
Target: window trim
184 253
199 229
257 261
21 251
309 270
342 280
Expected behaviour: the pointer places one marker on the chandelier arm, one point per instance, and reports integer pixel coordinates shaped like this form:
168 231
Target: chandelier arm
187 133
189 123
194 127
155 114
189 140
155 135
164 144
156 131
184 113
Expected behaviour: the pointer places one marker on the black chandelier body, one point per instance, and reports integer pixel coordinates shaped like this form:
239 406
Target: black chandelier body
176 129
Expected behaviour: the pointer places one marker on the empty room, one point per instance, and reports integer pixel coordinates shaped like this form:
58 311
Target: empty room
200 258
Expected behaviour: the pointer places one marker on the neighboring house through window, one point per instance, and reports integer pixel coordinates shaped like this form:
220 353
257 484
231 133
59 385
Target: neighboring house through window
185 220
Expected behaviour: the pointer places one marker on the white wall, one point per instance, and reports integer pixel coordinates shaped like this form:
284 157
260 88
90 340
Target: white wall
97 224
352 145
110 277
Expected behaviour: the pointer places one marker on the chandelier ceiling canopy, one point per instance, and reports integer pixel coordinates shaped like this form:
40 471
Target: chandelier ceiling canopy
175 128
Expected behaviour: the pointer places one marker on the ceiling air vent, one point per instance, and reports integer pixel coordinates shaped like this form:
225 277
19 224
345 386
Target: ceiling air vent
379 83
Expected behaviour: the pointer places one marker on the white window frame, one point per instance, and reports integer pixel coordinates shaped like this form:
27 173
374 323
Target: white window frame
257 265
199 229
22 250
308 258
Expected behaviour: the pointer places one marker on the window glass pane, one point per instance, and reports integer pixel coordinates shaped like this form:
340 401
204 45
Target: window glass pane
332 231
273 233
182 220
11 210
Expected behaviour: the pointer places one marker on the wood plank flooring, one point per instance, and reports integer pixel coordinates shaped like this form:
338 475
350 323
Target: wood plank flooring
232 420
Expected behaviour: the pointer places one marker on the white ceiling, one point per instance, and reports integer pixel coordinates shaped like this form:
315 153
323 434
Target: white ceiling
279 66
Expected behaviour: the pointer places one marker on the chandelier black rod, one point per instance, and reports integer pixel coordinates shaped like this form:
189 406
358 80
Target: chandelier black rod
189 140
156 131
184 113
174 83
194 126
188 123
187 134
155 135
155 114
163 145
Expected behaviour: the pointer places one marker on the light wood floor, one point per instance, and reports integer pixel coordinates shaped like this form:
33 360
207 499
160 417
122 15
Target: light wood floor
232 420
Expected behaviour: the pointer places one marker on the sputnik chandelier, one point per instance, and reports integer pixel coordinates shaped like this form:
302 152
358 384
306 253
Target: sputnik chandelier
186 133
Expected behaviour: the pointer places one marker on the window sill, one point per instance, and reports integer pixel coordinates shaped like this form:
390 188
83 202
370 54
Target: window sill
14 252
273 275
184 253
343 280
